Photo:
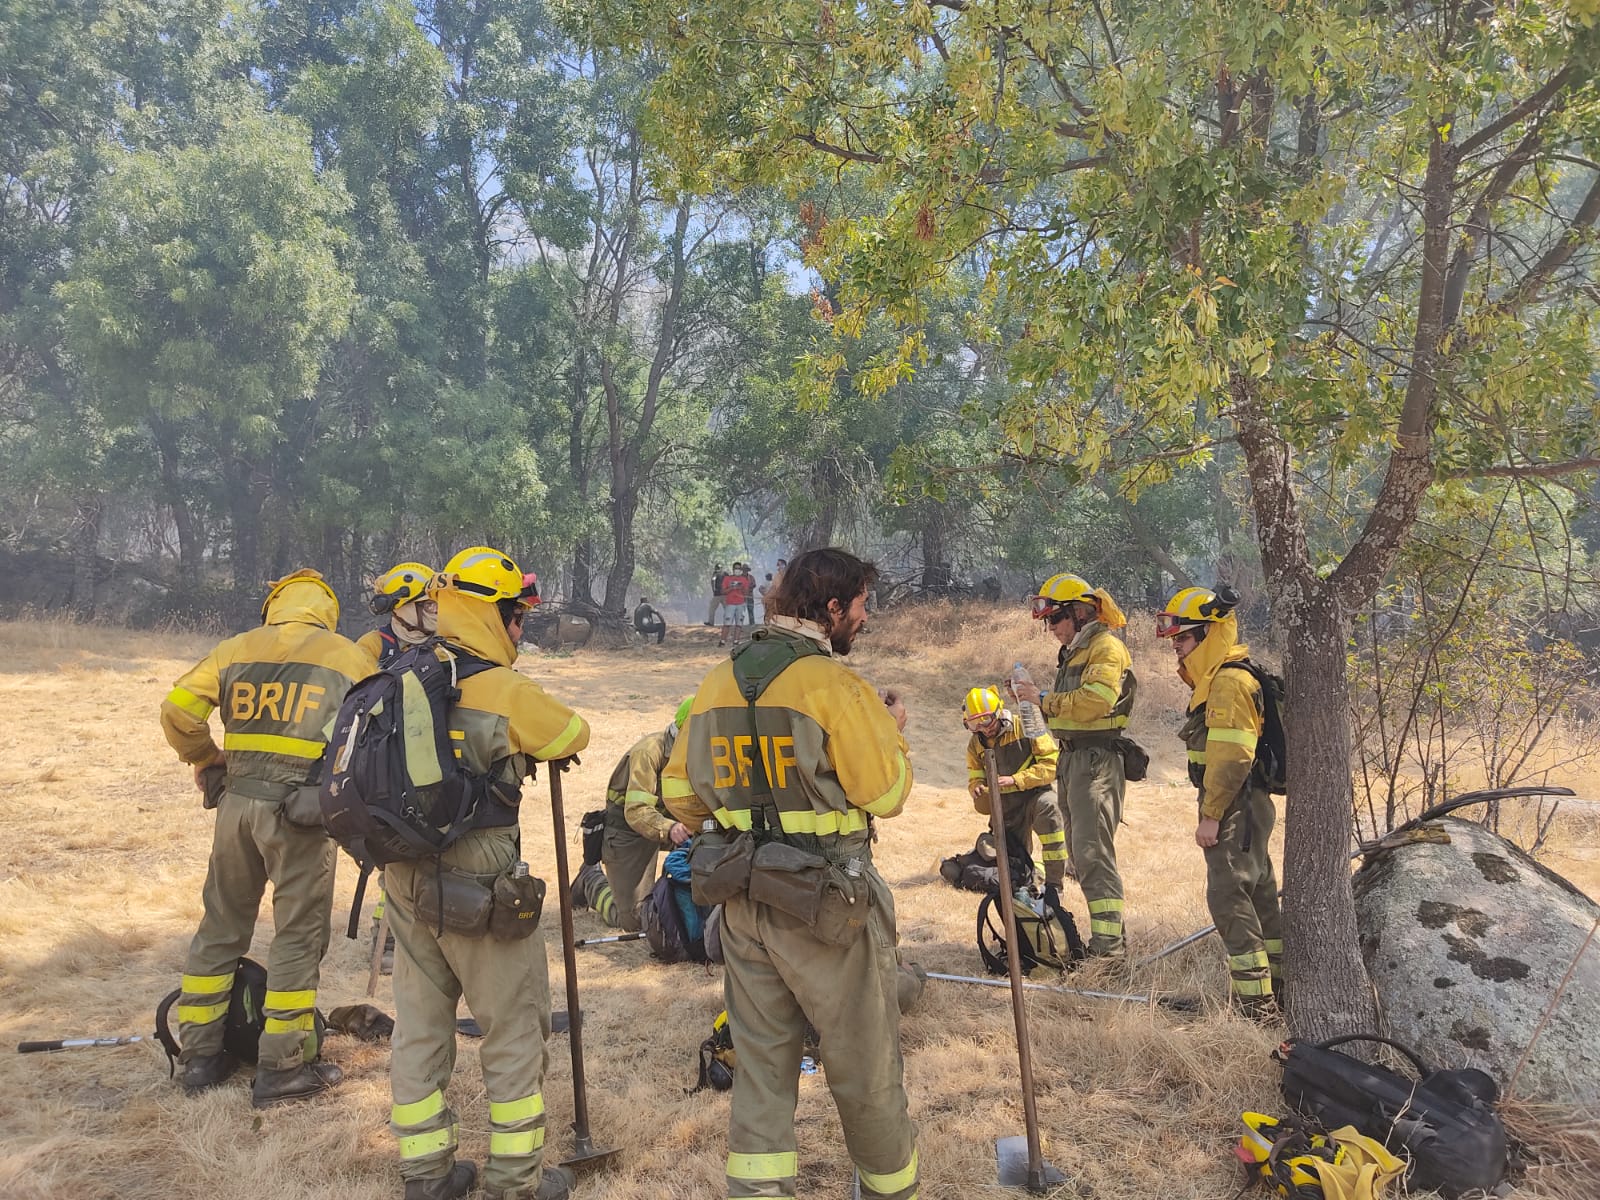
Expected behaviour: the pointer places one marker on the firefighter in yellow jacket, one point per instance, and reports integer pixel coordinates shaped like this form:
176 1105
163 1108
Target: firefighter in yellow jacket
401 594
787 758
1027 774
1223 727
502 723
1088 712
278 689
638 827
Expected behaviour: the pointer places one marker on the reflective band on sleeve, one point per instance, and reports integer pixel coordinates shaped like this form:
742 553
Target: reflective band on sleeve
421 1145
634 796
822 824
1247 962
763 1166
675 787
207 985
418 1111
292 1001
515 1145
201 1014
1104 690
895 1181
895 796
971 774
1239 737
509 1112
1057 855
190 703
304 1023
1051 839
271 743
1275 946
1197 756
1110 904
563 740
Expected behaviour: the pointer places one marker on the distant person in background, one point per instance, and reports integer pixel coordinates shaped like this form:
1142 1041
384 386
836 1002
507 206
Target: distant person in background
647 619
765 588
717 576
735 591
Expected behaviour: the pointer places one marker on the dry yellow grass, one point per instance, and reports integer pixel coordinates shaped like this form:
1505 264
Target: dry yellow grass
104 852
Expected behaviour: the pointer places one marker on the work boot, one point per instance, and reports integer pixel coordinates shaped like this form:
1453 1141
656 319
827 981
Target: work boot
206 1071
461 1180
580 884
555 1184
297 1083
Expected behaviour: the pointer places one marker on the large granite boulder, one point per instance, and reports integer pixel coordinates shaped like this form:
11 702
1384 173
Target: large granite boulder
1466 941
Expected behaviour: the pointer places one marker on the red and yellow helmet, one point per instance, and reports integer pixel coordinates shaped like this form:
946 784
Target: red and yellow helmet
1194 606
1060 590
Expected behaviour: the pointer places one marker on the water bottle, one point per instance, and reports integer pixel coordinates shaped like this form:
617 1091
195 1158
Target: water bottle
808 1065
1032 719
519 870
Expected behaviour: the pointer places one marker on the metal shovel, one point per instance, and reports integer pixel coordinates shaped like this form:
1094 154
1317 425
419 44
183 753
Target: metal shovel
1020 1160
585 1154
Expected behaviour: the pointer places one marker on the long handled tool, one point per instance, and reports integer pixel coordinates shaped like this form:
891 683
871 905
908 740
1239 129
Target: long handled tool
378 941
584 1152
1020 1160
79 1044
606 941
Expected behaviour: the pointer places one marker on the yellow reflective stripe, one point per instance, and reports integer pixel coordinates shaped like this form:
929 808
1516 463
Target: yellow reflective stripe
292 1000
1274 946
418 1111
509 1112
190 703
971 774
1111 904
732 818
458 735
1197 756
676 787
821 824
305 1022
421 1145
1051 839
1048 855
201 1014
895 796
894 1181
763 1166
639 796
1246 962
1110 928
1252 987
207 985
1239 737
515 1145
272 743
1104 690
563 740
422 760
1089 726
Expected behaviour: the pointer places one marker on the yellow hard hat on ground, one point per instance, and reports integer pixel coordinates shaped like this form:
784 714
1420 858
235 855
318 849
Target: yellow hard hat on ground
400 584
1058 590
488 574
1194 606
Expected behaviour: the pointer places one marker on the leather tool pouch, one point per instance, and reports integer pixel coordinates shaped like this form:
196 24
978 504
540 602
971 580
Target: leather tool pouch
846 901
457 903
303 808
789 879
517 905
1135 759
213 782
719 867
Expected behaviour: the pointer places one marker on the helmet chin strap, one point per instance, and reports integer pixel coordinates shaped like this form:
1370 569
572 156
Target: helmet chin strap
410 632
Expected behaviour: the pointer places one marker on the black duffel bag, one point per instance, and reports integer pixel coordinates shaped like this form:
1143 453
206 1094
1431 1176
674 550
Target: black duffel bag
1443 1122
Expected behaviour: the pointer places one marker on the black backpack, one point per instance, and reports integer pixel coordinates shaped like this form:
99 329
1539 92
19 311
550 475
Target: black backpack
393 789
1443 1122
245 1022
1271 764
664 927
1050 939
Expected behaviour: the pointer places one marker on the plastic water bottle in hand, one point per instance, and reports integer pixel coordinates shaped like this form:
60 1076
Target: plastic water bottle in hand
1032 719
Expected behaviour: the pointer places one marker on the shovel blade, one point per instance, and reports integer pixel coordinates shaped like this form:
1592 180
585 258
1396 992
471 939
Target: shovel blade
586 1156
1011 1158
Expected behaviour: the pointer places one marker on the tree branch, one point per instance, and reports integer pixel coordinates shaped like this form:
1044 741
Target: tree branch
862 156
1514 114
1534 470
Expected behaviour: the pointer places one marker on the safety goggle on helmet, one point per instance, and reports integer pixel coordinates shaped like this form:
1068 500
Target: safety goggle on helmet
1194 608
1057 592
981 708
399 585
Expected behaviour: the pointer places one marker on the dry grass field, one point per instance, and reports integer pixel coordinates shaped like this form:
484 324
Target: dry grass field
103 845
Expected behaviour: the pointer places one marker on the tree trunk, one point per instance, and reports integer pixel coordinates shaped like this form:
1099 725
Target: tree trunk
167 448
86 548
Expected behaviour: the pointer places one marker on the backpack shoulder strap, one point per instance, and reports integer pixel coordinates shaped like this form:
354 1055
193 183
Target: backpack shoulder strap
755 665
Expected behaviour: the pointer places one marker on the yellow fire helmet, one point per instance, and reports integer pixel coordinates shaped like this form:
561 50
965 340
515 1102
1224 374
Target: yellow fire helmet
981 706
303 575
1194 606
684 706
1058 590
487 574
400 584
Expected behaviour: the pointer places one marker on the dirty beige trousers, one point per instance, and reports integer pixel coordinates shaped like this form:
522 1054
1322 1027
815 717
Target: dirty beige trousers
1092 788
1037 810
1242 894
777 975
252 845
507 988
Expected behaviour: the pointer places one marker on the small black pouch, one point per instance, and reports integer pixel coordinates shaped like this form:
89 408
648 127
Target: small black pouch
518 901
788 879
453 902
719 868
1135 759
303 808
213 782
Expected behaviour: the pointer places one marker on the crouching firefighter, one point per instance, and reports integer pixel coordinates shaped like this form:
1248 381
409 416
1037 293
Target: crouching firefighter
401 594
1225 727
637 828
786 758
278 689
1027 771
502 722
